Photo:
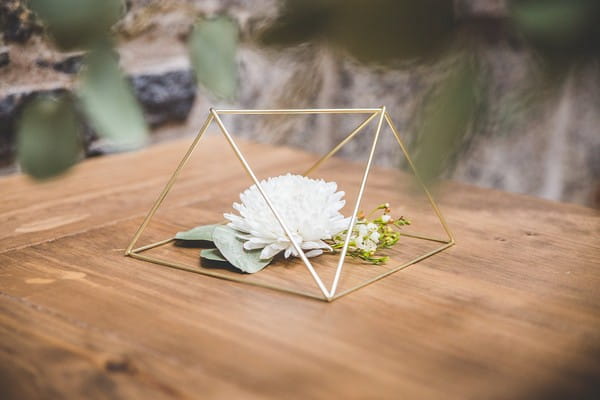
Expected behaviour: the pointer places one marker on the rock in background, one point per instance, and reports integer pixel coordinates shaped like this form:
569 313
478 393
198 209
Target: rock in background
547 147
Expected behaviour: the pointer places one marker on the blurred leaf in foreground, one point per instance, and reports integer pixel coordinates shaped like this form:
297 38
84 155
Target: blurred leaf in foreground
557 24
447 116
564 32
299 22
78 23
375 31
212 46
386 31
109 104
48 139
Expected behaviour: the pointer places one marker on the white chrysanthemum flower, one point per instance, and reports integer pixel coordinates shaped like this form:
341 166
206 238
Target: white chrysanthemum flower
310 209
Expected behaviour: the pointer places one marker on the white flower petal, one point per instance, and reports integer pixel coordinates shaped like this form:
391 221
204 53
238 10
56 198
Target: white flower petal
319 244
308 207
270 251
262 241
374 236
362 229
250 245
313 253
325 246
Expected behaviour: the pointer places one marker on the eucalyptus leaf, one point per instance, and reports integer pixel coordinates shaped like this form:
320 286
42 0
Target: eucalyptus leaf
446 119
203 232
231 247
212 46
78 23
382 32
554 23
48 140
109 103
212 255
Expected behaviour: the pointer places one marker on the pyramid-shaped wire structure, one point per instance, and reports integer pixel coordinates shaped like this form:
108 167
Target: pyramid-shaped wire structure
328 294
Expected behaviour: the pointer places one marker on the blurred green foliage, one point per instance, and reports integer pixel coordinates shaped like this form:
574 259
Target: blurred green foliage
391 32
77 24
559 25
103 93
48 137
564 33
378 32
446 118
212 47
108 102
375 31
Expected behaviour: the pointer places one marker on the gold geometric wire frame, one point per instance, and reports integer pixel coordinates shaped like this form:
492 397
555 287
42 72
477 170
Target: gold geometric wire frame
328 294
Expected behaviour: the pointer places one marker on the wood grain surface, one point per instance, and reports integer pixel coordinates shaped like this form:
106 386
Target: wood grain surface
511 312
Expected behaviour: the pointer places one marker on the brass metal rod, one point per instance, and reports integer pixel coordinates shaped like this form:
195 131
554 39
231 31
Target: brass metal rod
361 191
339 145
422 237
182 267
421 183
169 184
152 245
302 111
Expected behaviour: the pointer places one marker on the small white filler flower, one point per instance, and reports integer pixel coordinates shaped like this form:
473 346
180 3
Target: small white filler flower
310 209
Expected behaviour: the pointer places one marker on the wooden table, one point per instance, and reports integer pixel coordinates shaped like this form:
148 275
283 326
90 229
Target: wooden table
511 312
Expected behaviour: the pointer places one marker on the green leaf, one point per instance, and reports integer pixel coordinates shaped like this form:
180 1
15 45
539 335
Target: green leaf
204 232
78 23
48 137
231 247
300 21
446 120
555 23
382 32
109 103
212 45
212 255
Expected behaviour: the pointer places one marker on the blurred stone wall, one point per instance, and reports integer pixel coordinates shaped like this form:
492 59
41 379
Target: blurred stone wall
546 145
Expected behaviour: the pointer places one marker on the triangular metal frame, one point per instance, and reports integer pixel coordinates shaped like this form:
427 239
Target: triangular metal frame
328 294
